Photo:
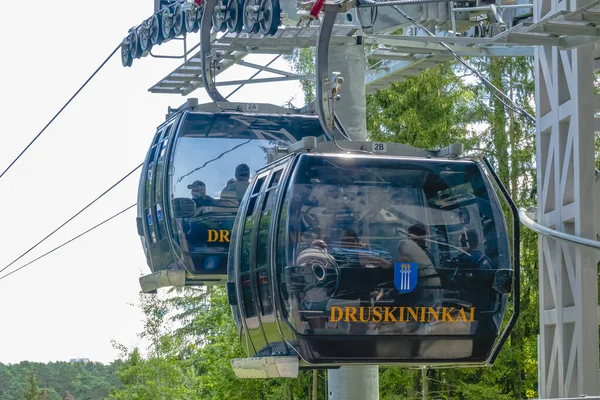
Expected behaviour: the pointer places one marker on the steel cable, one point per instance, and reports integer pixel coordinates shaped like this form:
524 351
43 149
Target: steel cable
67 242
72 218
499 94
60 111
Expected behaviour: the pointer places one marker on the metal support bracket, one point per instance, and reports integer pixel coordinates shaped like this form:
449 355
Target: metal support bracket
327 89
208 58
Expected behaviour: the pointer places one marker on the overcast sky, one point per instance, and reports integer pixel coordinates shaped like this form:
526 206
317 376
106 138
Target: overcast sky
73 302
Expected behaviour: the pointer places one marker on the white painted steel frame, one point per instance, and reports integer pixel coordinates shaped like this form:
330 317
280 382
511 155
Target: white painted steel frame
568 346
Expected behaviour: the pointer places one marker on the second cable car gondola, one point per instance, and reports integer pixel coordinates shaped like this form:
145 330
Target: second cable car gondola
355 258
201 161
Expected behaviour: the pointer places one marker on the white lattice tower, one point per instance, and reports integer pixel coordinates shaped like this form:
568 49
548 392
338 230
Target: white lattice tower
568 353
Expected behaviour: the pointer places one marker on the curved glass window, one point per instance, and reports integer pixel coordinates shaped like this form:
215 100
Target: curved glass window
382 246
214 161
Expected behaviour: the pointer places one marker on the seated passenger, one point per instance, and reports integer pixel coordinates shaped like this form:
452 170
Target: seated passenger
478 271
471 257
413 248
199 194
239 185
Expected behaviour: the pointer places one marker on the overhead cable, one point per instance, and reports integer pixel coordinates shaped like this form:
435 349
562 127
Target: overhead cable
214 159
499 94
73 217
67 242
60 111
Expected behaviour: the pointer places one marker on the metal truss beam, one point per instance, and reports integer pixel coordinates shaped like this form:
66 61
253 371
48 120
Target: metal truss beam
464 46
267 69
567 202
231 48
266 80
397 71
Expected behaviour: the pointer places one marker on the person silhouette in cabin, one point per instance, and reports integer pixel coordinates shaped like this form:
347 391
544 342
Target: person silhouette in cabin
199 195
237 187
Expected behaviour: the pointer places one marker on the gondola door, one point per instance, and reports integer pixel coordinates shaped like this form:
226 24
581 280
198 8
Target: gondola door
262 273
246 286
151 229
158 203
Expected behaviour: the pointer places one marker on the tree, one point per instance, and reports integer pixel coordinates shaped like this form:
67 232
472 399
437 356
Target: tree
69 396
302 61
430 110
32 392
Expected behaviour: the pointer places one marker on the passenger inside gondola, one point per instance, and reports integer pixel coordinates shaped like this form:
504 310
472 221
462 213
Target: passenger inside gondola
414 249
199 195
237 187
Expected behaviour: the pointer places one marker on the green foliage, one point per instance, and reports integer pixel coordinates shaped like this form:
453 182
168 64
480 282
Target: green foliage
302 61
430 110
32 392
28 380
192 358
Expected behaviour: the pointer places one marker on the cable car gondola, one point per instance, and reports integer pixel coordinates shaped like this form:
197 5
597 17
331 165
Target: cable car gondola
200 163
349 257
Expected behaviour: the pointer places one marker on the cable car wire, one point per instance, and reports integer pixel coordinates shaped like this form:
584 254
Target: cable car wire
214 159
68 241
499 94
73 217
60 111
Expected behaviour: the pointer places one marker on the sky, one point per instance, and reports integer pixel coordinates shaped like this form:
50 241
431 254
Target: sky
72 303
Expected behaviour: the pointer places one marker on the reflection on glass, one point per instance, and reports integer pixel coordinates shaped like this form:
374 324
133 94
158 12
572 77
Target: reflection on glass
248 298
214 161
264 292
386 247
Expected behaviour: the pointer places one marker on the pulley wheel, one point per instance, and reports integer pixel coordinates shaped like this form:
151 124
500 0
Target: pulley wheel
126 58
144 37
271 10
235 15
251 9
166 24
134 44
177 19
218 17
190 18
155 30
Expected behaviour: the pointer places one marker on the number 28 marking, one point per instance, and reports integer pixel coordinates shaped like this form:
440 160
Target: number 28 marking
379 147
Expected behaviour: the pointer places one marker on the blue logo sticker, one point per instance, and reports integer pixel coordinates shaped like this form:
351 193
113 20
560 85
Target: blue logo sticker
159 215
149 216
405 276
211 263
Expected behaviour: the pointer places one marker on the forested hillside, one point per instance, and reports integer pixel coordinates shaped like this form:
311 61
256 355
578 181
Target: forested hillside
61 380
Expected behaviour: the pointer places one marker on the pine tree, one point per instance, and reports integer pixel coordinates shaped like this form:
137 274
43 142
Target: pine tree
32 392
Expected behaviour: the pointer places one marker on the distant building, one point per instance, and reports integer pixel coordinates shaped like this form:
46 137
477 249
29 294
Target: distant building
79 360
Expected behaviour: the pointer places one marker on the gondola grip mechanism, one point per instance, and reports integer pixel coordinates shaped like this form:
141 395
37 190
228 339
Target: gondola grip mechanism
453 150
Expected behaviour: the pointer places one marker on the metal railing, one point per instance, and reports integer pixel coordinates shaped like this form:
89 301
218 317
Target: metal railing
534 226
